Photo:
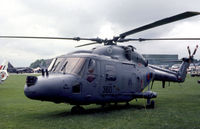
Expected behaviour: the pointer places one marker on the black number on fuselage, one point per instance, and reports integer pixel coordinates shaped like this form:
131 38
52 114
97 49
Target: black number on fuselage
107 89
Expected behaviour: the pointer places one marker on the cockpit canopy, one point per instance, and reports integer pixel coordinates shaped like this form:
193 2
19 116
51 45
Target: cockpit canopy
63 65
72 65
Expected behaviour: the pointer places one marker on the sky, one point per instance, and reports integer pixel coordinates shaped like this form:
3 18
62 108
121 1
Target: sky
91 19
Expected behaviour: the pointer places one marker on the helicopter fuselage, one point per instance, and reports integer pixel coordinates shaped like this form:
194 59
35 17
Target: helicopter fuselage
103 75
99 76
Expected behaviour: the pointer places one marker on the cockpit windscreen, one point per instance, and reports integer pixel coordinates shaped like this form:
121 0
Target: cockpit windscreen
68 65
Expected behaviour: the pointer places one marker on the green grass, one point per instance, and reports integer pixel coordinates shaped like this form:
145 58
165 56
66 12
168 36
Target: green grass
177 107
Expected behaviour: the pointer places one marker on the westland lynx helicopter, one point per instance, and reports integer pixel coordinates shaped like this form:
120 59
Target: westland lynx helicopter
105 74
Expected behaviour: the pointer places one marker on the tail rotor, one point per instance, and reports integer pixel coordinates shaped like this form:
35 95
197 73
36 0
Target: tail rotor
189 52
191 57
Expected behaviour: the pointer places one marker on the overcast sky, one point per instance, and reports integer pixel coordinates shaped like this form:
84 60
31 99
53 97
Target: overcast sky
91 18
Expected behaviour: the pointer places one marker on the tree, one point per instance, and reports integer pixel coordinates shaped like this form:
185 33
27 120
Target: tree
38 63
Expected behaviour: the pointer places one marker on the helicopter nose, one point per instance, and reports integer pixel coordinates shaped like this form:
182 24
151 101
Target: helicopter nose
43 88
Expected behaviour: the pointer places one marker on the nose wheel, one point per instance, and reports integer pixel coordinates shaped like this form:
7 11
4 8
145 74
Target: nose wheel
77 109
150 104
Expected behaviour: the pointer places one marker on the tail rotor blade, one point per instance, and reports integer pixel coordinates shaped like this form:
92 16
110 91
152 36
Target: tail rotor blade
189 52
195 50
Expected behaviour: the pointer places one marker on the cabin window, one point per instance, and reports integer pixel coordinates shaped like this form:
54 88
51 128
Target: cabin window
110 73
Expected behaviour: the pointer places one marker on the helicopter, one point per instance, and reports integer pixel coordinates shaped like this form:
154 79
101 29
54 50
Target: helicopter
106 74
3 71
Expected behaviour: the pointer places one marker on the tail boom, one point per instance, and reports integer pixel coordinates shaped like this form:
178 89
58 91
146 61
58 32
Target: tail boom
161 74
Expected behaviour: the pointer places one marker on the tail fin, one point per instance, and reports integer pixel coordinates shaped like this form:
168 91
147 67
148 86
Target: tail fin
3 70
4 65
183 69
186 63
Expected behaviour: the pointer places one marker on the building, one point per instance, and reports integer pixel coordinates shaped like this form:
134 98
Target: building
162 59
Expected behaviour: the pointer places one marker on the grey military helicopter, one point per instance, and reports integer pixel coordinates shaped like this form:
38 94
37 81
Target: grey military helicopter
106 74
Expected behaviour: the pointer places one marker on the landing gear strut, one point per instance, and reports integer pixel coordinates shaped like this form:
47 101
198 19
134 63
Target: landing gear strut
77 109
150 104
127 104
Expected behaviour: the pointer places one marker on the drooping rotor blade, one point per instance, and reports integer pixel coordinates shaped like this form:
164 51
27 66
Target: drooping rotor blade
35 37
146 39
87 44
61 38
159 23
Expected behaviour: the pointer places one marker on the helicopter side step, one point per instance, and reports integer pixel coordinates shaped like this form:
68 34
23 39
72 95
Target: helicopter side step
146 95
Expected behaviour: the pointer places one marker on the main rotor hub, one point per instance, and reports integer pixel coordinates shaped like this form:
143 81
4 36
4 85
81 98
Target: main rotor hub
109 42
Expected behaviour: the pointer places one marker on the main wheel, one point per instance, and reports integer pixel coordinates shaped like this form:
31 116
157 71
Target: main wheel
151 105
127 104
103 105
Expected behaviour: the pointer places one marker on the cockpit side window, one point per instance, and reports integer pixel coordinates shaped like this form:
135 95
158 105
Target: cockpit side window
57 64
91 72
91 65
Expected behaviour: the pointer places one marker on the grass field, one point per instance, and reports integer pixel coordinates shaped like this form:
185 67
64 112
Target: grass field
177 107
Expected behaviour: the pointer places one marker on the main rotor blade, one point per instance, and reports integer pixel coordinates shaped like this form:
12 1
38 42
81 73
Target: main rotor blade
146 39
61 38
159 23
87 44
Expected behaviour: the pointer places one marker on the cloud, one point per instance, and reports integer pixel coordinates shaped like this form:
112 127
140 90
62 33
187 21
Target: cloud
89 18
